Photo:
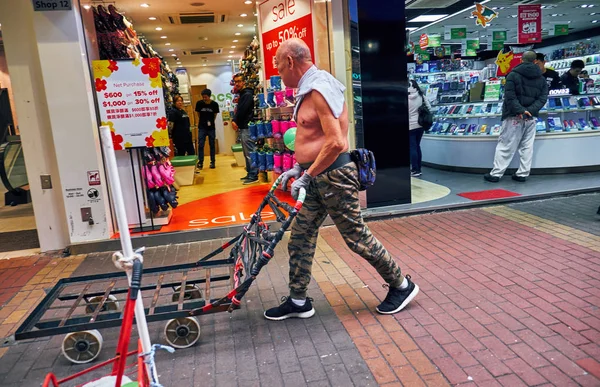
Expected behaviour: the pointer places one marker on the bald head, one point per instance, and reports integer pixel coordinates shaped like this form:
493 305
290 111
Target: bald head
529 57
296 49
292 60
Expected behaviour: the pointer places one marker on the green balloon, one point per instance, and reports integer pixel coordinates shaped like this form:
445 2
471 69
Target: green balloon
289 138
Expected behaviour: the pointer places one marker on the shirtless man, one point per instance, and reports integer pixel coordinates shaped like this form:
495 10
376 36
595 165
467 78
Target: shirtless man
331 182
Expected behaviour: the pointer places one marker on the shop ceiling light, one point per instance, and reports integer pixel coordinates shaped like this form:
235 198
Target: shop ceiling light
167 44
427 18
243 15
237 33
151 18
231 52
247 2
173 54
230 56
171 49
87 6
158 28
593 13
233 46
163 37
204 65
144 5
240 25
594 21
449 16
235 41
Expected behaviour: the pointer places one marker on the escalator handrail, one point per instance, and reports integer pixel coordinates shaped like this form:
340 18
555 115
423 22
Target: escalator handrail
3 174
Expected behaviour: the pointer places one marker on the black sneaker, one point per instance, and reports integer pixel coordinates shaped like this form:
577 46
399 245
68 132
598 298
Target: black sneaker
397 298
290 310
415 174
199 166
250 180
212 166
520 179
244 178
490 178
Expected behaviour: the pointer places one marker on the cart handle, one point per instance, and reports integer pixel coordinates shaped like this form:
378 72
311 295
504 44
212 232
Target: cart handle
301 194
136 279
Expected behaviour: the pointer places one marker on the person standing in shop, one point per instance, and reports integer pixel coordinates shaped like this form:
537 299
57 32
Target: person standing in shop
242 116
571 78
331 182
179 128
415 101
207 111
525 93
552 77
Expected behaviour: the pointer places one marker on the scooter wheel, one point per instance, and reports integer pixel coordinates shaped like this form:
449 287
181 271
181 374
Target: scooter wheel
111 304
182 332
191 293
82 347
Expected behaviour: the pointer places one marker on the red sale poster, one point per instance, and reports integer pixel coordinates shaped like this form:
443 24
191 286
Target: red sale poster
530 24
281 20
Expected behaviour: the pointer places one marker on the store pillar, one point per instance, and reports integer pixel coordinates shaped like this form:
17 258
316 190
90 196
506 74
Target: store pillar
70 98
48 64
25 71
381 25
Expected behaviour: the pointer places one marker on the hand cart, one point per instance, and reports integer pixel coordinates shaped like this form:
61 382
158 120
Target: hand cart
79 306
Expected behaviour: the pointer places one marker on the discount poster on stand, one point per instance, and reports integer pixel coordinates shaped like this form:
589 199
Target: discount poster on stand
281 20
131 102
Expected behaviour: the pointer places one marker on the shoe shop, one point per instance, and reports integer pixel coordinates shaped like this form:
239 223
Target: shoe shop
203 124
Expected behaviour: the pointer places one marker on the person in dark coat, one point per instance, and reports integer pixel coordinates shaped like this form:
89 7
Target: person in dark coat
525 93
571 78
551 76
243 115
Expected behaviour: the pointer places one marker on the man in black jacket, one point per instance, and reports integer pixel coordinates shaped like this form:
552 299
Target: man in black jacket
243 115
571 78
525 93
551 76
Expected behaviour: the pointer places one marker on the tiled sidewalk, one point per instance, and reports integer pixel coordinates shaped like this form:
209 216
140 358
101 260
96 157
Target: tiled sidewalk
508 298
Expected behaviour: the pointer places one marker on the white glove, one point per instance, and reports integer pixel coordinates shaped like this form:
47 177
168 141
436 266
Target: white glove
302 182
294 172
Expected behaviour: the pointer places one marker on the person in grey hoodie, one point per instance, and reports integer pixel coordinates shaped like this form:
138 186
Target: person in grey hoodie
415 101
525 93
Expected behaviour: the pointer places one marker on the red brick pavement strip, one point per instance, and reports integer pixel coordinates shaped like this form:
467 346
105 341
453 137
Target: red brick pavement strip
15 274
501 303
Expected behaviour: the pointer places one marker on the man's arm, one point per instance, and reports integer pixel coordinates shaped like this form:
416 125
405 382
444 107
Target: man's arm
570 83
334 138
216 105
510 96
540 101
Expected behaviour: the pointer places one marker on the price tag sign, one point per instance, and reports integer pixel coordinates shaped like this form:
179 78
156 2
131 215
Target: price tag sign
281 20
52 5
131 102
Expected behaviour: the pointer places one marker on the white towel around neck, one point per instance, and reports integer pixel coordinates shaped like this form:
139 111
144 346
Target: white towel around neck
330 88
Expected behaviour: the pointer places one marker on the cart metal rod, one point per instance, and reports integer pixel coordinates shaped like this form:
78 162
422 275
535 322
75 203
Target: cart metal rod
50 328
73 296
156 293
207 291
75 305
182 291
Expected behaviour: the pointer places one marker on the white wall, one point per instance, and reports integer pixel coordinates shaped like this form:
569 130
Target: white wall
217 79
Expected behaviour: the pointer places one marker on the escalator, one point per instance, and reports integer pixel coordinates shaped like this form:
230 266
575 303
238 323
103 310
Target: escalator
12 172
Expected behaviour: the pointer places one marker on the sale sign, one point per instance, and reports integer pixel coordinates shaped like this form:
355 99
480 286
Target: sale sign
530 23
281 20
131 102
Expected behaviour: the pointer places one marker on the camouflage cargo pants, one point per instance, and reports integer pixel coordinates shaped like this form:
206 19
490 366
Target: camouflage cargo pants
335 193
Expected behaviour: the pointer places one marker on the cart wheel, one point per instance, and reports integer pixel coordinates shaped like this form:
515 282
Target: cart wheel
82 347
182 332
191 293
110 304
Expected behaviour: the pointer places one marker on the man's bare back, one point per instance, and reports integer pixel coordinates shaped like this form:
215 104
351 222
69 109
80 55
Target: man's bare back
309 135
